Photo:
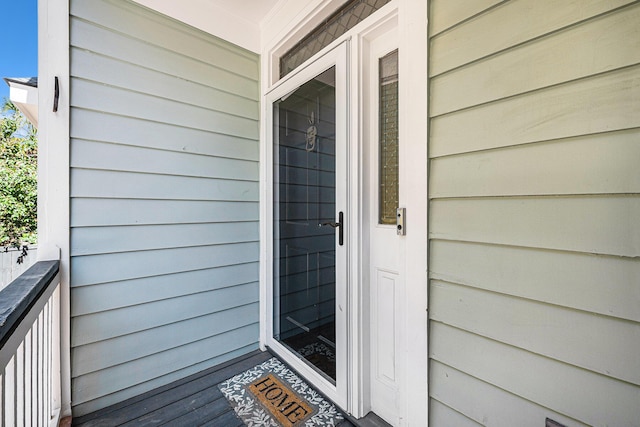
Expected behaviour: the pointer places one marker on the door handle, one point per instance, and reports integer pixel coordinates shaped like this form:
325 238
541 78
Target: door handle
330 224
338 225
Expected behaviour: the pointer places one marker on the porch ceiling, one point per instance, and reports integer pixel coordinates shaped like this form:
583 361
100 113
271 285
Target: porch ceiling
251 10
237 21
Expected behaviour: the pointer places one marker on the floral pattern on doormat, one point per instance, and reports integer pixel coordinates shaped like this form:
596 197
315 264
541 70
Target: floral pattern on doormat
254 414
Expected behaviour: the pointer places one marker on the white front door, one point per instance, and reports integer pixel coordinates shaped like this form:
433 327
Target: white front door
386 251
308 307
393 121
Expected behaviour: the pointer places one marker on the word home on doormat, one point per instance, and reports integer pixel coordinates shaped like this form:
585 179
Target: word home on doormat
284 404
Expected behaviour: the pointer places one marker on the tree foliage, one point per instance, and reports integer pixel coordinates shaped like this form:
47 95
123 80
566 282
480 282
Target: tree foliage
18 178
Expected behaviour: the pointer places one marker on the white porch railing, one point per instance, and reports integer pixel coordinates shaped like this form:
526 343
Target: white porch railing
30 348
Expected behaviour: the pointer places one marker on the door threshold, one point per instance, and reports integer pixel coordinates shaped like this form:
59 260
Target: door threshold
369 420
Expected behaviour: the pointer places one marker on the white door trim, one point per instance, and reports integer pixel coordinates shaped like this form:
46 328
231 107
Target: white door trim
414 122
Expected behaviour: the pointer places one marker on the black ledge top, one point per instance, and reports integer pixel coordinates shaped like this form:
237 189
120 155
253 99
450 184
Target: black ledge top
20 295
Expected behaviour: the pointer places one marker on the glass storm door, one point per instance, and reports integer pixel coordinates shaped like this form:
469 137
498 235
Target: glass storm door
309 289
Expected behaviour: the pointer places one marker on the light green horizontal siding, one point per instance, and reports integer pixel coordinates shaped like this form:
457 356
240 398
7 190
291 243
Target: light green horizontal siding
130 131
91 212
164 201
101 183
534 194
91 358
113 295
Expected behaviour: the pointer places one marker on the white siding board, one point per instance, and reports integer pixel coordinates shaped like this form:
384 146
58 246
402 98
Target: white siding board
104 354
591 398
137 389
102 326
167 33
91 212
94 269
447 13
100 126
95 384
510 24
592 283
480 399
599 225
104 156
543 329
599 104
98 68
130 185
93 96
114 295
572 166
104 240
100 40
604 44
442 415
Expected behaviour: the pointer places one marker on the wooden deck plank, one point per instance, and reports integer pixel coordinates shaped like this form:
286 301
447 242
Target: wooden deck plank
180 408
228 419
209 412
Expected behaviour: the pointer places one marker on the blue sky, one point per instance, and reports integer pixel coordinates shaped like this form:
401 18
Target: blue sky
19 43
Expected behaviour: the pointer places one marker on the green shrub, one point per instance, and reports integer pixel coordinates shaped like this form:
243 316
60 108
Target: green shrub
18 178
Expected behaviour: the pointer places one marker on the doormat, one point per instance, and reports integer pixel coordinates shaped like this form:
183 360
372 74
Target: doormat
270 394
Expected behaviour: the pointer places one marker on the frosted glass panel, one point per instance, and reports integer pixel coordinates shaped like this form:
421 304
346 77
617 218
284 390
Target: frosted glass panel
388 137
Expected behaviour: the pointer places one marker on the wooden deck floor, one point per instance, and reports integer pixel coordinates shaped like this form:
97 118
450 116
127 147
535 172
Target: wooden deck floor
192 401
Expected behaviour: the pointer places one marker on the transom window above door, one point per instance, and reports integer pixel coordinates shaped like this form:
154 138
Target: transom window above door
341 21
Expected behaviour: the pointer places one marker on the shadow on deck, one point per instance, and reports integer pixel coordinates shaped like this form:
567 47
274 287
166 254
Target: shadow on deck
192 401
